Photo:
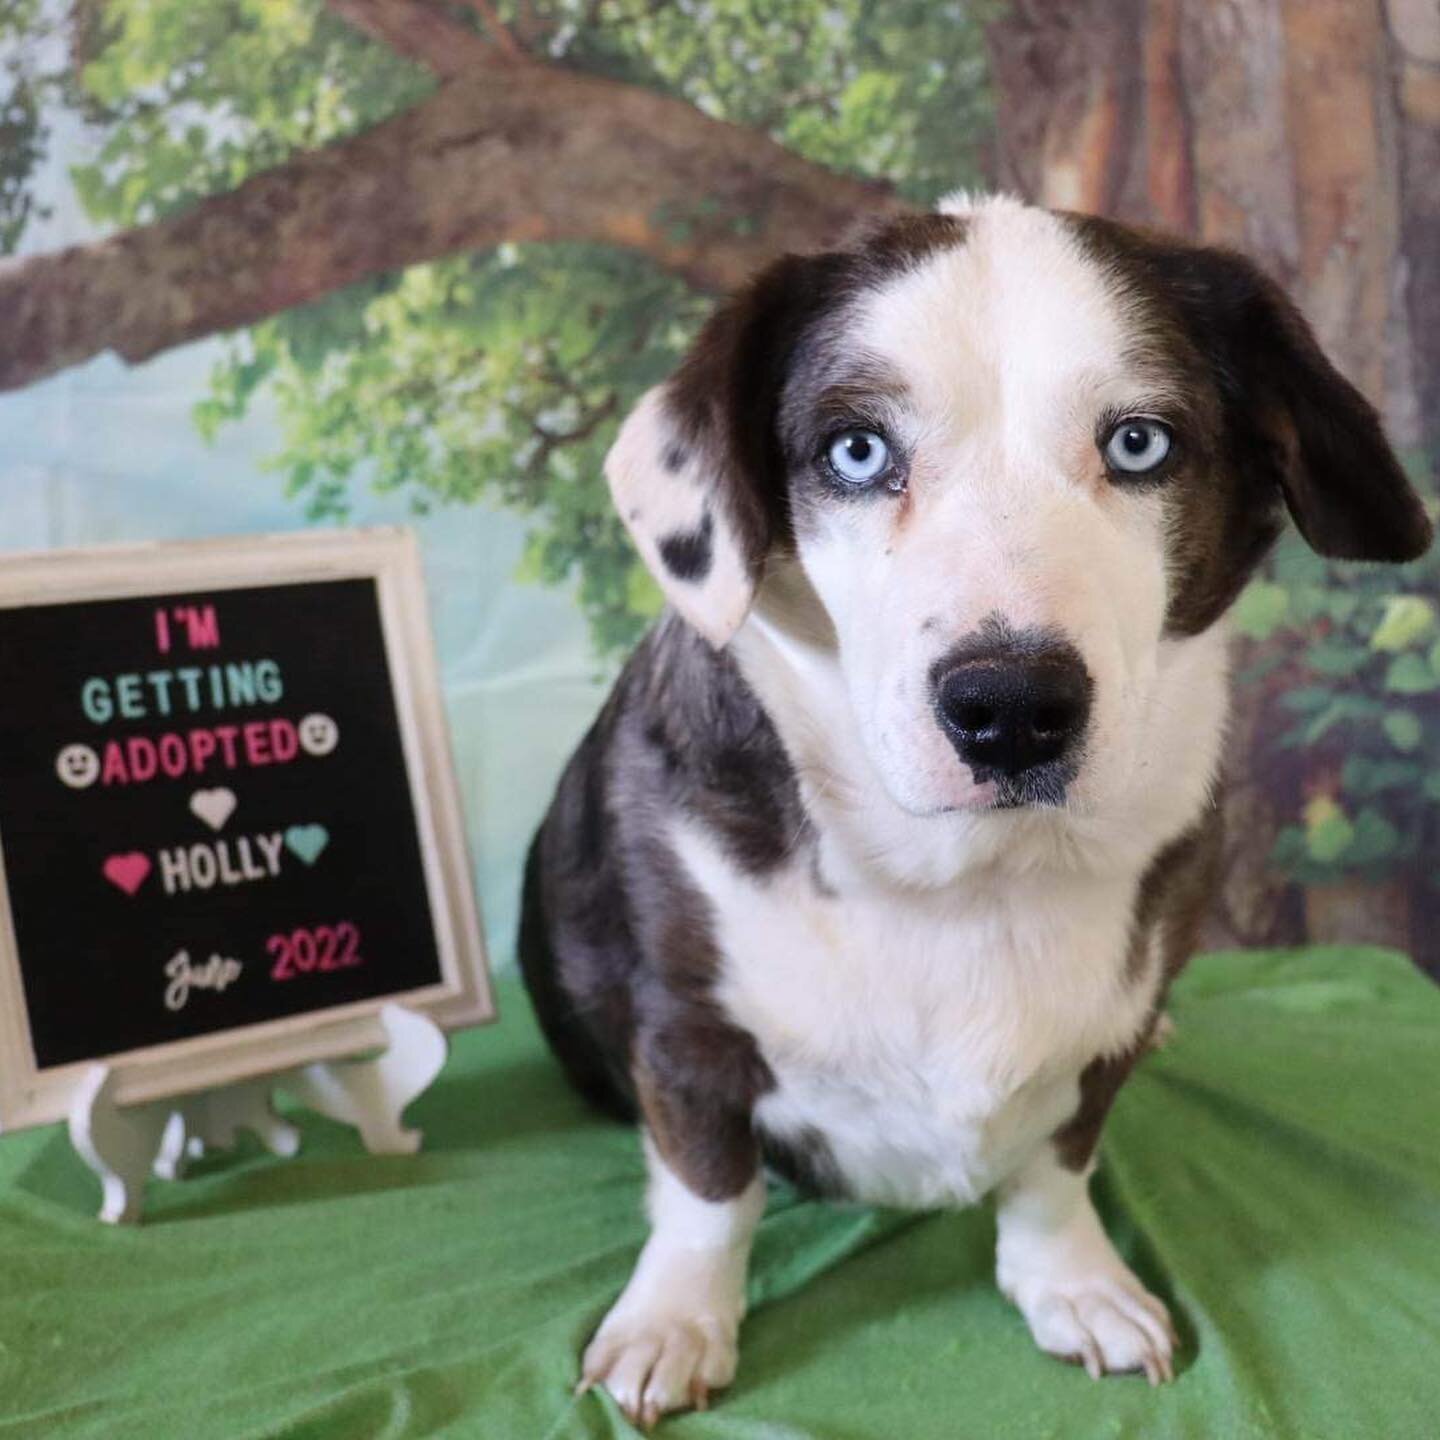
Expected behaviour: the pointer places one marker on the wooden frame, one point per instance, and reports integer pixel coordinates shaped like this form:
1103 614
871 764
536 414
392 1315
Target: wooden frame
389 556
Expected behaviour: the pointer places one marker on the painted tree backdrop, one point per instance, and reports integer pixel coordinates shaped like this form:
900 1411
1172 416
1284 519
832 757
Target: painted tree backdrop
450 242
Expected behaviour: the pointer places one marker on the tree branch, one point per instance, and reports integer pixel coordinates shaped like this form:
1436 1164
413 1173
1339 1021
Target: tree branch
496 28
419 31
527 153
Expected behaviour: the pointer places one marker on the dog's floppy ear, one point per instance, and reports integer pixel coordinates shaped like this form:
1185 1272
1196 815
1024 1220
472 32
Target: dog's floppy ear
696 471
1293 413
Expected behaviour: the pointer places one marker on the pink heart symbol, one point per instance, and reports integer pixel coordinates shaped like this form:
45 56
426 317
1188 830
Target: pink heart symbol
128 871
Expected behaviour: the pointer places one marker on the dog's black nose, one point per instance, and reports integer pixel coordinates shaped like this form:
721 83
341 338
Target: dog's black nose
1009 713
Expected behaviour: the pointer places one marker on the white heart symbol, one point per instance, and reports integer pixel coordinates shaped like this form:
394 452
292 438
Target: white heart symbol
214 807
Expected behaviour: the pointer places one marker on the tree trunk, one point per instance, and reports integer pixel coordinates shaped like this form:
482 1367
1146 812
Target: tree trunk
1307 133
1415 73
1415 77
1353 912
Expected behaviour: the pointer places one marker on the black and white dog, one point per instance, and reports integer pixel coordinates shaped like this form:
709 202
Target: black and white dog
880 858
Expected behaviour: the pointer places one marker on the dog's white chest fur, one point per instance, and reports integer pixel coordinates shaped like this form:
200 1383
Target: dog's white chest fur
930 1042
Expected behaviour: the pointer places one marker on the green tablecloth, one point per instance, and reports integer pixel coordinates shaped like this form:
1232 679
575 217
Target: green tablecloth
1275 1174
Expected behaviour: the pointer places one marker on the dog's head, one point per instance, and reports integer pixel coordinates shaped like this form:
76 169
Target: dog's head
1016 454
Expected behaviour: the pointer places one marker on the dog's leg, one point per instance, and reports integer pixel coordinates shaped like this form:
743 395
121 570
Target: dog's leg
1080 1299
671 1337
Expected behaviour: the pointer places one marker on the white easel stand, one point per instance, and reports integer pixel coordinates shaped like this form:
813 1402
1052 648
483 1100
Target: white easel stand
125 1145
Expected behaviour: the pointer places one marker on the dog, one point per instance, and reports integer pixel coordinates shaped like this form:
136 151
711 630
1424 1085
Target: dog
877 865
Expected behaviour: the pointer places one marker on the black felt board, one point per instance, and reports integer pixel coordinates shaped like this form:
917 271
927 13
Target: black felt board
341 847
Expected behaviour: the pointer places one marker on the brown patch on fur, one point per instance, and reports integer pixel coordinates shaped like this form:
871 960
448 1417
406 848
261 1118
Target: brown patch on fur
904 511
855 390
1170 905
1100 1082
1272 423
1174 893
886 244
725 399
697 1078
617 945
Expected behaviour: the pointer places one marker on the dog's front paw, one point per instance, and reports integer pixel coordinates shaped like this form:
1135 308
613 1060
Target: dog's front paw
653 1363
1108 1322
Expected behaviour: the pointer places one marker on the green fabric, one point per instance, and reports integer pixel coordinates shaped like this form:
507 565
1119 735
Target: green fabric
1274 1174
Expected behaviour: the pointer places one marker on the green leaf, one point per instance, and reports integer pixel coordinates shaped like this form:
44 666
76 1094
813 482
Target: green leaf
1308 603
1336 659
1374 841
1328 831
1410 675
642 594
1341 605
1403 728
1307 697
1407 619
1289 852
1362 776
1343 707
1261 609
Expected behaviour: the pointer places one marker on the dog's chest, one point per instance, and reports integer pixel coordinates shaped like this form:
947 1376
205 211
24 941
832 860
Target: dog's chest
923 1046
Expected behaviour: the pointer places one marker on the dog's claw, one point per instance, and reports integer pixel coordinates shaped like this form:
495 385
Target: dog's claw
652 1366
1109 1324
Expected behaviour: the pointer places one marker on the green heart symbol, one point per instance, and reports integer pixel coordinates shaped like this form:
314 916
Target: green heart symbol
307 841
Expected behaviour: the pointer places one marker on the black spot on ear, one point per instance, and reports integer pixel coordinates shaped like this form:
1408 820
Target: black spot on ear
687 553
674 458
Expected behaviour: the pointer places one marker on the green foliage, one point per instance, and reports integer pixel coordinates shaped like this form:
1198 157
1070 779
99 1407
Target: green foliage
196 95
495 378
498 376
1261 610
22 131
1361 689
898 91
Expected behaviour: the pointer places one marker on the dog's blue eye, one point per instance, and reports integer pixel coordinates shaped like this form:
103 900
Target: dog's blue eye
859 456
1136 446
